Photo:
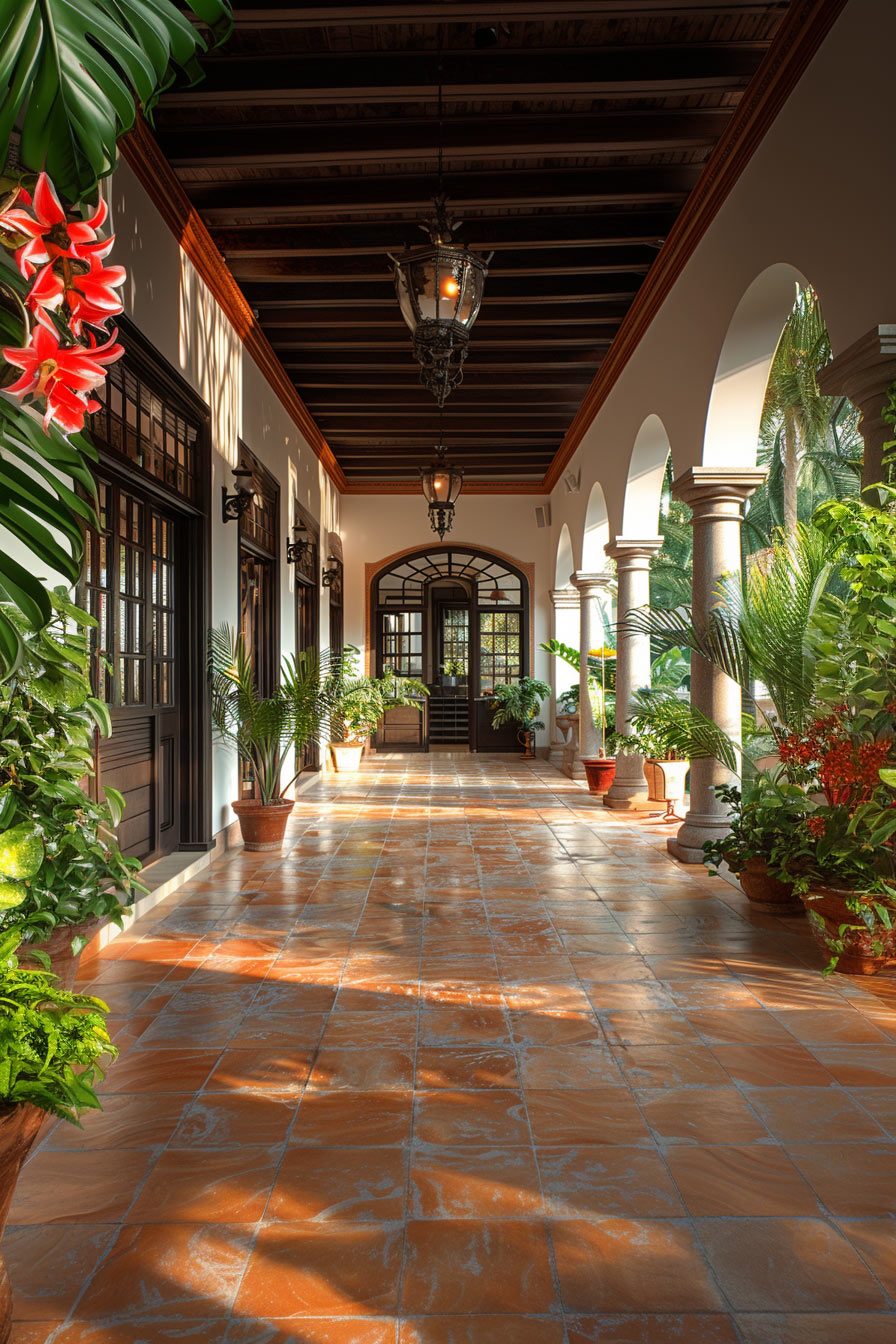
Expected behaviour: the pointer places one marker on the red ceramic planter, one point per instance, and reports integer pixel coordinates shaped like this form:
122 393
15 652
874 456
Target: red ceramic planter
600 771
858 956
768 893
262 825
19 1127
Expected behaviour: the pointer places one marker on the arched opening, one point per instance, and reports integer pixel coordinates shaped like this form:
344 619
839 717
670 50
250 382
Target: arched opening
565 563
457 619
646 475
597 532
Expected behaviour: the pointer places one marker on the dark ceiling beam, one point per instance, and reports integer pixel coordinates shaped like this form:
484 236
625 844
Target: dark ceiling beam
411 193
499 287
500 358
373 238
532 340
349 77
494 318
417 416
344 13
370 270
415 401
334 377
300 145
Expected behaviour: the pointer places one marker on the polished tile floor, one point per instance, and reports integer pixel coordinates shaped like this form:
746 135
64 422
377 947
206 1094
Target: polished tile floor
471 1062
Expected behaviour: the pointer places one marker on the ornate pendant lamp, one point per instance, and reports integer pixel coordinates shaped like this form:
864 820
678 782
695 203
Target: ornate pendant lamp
441 484
439 289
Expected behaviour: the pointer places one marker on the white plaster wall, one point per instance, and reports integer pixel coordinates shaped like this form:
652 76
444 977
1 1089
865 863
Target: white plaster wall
174 309
818 196
376 526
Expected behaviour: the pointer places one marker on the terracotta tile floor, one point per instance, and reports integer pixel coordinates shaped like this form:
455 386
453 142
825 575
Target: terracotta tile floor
471 1062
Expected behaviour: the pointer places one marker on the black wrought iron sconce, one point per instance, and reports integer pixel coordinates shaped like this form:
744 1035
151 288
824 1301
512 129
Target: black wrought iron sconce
300 550
332 572
236 505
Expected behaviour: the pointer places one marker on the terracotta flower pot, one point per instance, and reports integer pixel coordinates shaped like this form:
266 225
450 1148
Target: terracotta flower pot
858 956
19 1126
346 756
768 893
58 947
600 772
263 825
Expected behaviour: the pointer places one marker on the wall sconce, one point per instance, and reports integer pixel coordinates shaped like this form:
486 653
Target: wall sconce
300 549
235 505
331 574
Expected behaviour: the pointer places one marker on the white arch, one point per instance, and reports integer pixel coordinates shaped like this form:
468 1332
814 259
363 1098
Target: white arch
644 487
738 391
565 563
597 531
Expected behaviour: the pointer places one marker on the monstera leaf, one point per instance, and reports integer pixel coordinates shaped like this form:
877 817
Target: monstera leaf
78 67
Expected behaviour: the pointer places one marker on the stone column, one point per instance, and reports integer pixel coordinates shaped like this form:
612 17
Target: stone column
593 591
628 792
863 372
716 495
565 602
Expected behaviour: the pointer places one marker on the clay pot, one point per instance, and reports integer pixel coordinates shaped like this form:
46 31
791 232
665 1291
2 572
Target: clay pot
768 893
346 756
600 772
19 1126
858 956
58 947
263 825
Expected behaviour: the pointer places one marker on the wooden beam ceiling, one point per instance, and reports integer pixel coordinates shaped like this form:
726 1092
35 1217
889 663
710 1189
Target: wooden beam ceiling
572 146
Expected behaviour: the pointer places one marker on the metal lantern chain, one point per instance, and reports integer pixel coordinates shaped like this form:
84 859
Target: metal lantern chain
439 289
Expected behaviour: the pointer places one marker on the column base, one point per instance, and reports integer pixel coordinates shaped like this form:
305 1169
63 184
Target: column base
633 802
556 755
572 764
687 844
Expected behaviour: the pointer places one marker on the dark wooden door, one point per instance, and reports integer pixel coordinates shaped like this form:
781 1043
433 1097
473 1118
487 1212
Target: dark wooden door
134 577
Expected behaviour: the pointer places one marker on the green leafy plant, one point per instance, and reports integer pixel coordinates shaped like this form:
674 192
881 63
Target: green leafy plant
767 821
52 1043
455 667
56 842
356 703
603 699
520 703
264 728
74 71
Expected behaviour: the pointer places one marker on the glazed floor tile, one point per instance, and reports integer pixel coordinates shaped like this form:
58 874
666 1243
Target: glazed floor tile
471 1061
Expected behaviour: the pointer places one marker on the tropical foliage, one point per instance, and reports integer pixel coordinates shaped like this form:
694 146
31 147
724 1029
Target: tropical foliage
53 1044
264 728
60 863
355 703
74 70
520 703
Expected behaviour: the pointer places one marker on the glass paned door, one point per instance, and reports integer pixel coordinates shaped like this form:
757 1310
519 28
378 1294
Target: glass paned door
401 650
500 649
454 653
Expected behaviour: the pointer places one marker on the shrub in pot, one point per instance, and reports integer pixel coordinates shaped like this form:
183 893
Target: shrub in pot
53 1044
520 703
356 704
452 672
62 873
265 729
767 819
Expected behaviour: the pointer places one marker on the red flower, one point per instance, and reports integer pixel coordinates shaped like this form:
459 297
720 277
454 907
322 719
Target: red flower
89 295
62 375
816 826
49 233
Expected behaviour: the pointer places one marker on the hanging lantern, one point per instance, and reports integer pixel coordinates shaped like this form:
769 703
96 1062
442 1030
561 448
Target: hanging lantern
441 485
439 291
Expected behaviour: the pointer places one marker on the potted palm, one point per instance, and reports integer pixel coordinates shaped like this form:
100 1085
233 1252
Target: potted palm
62 874
452 672
265 729
767 816
52 1047
520 704
600 771
356 704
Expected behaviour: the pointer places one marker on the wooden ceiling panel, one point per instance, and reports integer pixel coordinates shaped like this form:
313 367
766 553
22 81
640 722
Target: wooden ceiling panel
574 132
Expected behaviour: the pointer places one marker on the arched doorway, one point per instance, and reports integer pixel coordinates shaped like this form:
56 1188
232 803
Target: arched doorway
458 619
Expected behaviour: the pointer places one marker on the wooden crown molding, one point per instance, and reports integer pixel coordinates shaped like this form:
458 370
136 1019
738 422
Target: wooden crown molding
141 150
802 32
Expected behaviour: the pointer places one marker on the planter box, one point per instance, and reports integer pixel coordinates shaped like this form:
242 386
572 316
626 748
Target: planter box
827 910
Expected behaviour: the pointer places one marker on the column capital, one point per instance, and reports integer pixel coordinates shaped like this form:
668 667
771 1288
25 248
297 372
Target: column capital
565 598
590 585
702 488
863 372
632 550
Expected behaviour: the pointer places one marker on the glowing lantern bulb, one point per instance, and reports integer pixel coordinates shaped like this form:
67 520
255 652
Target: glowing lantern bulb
450 289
